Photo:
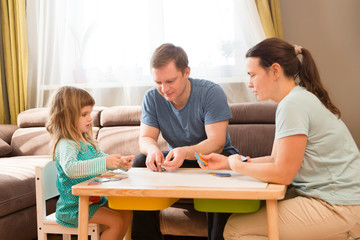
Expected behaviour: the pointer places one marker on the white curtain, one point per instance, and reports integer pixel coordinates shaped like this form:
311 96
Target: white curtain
104 46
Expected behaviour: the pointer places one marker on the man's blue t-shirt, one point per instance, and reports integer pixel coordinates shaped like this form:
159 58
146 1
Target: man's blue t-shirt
207 104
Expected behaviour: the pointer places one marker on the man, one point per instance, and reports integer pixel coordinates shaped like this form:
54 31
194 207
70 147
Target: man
192 115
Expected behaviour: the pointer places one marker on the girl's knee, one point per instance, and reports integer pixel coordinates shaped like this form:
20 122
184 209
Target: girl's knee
121 218
127 216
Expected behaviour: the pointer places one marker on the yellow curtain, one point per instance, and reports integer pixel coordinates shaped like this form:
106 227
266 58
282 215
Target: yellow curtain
2 105
14 36
270 16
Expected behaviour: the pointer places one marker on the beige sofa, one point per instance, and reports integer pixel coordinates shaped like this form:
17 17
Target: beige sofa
116 128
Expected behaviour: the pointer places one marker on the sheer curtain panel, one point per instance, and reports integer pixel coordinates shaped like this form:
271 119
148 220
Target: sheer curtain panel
104 46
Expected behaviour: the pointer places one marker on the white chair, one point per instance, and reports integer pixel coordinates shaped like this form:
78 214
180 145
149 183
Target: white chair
45 180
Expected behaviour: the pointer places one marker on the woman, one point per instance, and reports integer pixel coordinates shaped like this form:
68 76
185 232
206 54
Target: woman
313 151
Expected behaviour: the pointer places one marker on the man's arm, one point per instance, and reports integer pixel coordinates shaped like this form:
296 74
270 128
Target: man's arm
215 142
150 147
148 139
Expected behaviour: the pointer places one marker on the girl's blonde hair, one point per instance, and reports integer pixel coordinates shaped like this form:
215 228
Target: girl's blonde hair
64 113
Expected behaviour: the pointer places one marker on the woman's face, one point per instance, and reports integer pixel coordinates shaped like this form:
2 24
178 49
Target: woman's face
260 79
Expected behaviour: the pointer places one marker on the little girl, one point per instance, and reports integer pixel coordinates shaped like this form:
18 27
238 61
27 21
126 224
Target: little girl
78 158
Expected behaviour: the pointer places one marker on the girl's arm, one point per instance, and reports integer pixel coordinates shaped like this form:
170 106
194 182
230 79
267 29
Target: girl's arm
284 162
66 154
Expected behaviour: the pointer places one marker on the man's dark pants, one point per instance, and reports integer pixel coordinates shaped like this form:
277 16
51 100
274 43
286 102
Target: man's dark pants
146 224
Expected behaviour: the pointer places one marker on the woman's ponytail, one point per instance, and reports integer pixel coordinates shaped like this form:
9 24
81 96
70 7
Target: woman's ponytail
310 79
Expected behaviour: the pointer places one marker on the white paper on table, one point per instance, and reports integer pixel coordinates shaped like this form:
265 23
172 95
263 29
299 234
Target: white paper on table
189 178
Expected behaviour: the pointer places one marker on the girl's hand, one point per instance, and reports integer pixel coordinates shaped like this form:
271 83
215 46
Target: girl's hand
113 161
215 161
126 162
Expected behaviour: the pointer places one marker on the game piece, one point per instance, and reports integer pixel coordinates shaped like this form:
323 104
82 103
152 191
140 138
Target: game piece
223 175
107 178
220 174
123 169
243 159
200 159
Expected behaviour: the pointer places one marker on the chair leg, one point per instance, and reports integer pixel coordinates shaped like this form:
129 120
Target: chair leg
42 235
95 233
66 236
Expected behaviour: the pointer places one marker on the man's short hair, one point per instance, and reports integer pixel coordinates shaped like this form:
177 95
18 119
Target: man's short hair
168 52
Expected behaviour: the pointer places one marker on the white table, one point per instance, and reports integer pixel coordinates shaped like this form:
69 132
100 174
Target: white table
183 183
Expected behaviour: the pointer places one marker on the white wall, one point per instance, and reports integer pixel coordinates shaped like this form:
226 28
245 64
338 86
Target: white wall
330 29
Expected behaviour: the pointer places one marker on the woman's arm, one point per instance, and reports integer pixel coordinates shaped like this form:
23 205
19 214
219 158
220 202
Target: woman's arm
265 159
281 167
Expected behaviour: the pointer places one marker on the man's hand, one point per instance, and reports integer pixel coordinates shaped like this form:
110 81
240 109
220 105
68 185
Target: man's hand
153 158
174 159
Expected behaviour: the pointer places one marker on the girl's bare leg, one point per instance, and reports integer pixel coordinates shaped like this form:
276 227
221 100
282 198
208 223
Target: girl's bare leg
117 222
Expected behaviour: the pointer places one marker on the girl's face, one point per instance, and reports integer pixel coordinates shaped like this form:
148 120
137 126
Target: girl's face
84 122
260 79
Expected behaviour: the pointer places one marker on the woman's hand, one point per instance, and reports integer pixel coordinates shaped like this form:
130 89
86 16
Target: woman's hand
235 162
215 161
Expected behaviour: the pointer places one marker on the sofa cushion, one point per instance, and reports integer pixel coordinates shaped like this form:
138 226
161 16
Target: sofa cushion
123 140
95 115
253 112
34 141
6 131
120 115
30 141
254 140
17 182
5 148
119 140
38 117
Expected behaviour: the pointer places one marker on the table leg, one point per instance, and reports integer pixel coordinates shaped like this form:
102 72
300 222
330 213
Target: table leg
272 219
128 234
83 217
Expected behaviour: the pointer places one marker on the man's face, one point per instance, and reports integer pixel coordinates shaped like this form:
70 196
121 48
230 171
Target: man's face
171 82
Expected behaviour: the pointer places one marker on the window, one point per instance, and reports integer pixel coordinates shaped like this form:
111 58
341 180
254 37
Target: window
105 46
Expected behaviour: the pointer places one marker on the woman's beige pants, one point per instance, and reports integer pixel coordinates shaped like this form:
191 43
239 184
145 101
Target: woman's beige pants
300 218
